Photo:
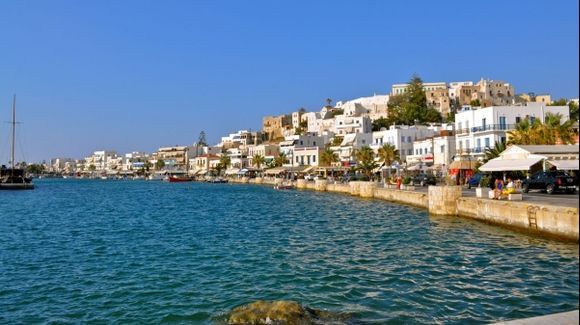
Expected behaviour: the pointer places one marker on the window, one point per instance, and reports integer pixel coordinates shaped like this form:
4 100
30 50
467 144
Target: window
532 119
409 139
421 151
466 144
402 139
502 124
460 144
483 123
313 143
487 142
301 142
459 125
416 151
313 158
478 143
297 159
410 152
518 119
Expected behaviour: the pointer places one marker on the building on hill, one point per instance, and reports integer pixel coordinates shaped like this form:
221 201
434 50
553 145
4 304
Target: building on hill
273 127
399 89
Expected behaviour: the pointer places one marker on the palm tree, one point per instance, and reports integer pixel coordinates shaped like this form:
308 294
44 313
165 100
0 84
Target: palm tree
525 133
557 131
365 158
280 160
328 157
389 154
258 160
494 152
225 162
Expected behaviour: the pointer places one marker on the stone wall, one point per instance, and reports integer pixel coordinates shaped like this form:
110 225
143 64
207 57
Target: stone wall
417 199
550 220
555 221
442 200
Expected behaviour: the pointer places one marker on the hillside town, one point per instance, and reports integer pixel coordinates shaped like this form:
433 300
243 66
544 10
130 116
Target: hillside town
438 128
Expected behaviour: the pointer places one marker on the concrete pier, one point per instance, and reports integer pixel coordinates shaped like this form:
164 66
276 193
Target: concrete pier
567 318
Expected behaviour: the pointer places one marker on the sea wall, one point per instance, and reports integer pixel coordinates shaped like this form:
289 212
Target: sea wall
551 220
554 221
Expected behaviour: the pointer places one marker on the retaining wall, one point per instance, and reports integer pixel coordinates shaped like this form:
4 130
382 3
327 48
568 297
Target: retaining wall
554 221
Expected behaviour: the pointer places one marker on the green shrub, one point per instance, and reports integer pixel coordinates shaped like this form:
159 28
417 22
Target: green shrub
406 180
484 181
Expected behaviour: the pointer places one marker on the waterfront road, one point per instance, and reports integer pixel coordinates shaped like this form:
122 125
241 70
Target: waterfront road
559 199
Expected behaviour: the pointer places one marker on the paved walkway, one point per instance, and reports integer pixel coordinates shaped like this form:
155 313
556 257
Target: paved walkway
567 318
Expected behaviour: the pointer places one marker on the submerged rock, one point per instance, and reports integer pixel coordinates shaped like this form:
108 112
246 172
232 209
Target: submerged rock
279 312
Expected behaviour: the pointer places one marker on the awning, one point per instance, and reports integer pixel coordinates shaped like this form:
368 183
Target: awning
233 171
500 165
202 172
463 164
308 170
275 171
242 171
565 164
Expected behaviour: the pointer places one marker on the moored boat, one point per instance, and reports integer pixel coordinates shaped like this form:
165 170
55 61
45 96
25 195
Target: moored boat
179 179
14 178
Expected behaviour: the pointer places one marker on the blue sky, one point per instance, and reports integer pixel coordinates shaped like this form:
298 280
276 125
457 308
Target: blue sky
136 75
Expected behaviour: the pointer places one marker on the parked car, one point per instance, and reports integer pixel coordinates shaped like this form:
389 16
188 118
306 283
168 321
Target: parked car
424 179
551 182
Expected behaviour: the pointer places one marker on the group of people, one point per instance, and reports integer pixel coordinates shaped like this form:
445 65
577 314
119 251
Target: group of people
503 189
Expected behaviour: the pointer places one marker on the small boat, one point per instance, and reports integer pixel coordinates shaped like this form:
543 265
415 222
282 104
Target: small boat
283 186
217 180
179 179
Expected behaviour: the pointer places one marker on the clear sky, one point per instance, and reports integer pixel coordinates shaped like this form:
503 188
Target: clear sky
136 75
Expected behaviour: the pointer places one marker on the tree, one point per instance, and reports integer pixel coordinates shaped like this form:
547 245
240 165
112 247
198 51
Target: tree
92 168
494 152
365 158
147 165
36 169
336 141
258 160
552 131
559 102
379 123
159 164
411 107
388 154
225 161
475 103
280 160
573 111
328 157
557 131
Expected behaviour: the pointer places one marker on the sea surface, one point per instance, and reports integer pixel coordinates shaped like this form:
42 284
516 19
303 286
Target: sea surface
77 251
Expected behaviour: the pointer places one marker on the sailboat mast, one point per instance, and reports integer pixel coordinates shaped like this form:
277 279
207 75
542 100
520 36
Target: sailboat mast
13 131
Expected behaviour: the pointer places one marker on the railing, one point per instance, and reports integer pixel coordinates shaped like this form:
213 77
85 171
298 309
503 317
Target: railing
488 127
476 150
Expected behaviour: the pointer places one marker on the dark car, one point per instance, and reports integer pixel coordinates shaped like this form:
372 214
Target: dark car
550 182
424 179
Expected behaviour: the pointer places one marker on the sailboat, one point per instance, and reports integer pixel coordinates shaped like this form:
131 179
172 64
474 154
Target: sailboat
14 178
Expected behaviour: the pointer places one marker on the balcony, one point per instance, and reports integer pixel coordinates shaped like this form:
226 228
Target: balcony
468 151
485 128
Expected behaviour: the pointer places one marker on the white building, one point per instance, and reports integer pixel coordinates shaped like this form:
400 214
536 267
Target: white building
375 106
402 137
295 142
477 129
350 143
135 160
344 124
399 89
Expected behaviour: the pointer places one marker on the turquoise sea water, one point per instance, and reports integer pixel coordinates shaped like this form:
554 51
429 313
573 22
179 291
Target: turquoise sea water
152 252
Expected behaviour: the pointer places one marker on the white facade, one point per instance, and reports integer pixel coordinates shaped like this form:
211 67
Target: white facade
477 129
402 137
344 124
305 156
350 143
399 89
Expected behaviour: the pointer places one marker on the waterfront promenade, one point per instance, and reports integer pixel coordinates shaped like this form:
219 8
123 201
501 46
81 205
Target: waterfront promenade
536 217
